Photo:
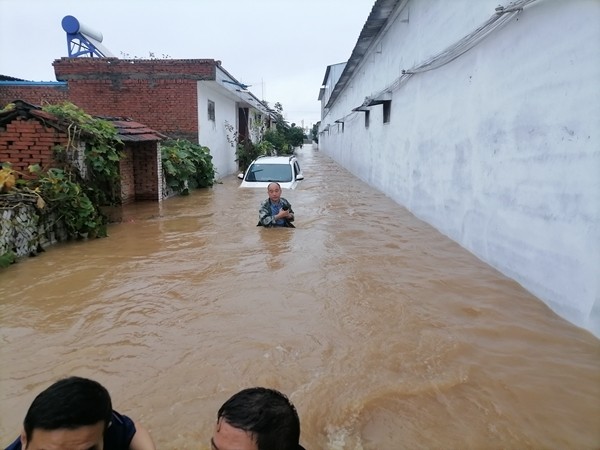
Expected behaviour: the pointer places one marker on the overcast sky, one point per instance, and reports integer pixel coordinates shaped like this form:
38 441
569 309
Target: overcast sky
280 47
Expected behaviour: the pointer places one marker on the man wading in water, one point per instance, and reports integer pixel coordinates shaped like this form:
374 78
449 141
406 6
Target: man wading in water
275 211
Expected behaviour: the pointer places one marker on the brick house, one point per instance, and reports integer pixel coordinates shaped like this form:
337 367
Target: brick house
29 136
195 99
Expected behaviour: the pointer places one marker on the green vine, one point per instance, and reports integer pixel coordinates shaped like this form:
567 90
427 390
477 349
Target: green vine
102 152
245 150
69 199
186 164
57 191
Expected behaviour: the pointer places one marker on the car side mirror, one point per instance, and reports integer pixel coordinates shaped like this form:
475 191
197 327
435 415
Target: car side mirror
241 176
299 177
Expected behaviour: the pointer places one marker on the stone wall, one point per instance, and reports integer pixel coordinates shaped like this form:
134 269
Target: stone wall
25 230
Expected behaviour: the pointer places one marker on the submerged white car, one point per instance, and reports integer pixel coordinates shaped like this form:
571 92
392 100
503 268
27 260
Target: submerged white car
265 169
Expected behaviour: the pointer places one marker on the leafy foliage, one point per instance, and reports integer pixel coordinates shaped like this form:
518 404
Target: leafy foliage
315 132
187 164
57 191
102 153
280 139
277 139
75 194
74 206
247 152
6 259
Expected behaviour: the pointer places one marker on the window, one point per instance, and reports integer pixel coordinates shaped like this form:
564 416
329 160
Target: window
269 172
211 110
387 108
367 118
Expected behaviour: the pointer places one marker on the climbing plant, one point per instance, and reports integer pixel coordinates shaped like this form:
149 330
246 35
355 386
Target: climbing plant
245 150
69 199
186 164
102 152
57 190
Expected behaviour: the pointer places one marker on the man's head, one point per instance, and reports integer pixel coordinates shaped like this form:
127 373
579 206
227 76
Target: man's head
274 190
71 414
257 419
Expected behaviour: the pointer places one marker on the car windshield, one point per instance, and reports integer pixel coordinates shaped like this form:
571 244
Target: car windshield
269 172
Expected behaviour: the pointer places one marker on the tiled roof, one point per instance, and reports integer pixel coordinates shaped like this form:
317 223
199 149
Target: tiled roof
7 78
128 130
380 14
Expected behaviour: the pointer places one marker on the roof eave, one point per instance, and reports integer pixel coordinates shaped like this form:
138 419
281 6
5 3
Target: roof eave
376 22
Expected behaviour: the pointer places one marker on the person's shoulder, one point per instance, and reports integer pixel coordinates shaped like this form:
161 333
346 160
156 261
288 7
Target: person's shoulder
16 445
119 433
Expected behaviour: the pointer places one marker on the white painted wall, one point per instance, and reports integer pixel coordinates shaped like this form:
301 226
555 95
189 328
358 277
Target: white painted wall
213 134
333 75
499 149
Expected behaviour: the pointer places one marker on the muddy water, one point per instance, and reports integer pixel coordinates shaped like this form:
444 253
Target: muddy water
384 333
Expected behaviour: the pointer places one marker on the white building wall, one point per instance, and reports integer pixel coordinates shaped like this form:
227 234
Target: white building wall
213 134
499 149
335 71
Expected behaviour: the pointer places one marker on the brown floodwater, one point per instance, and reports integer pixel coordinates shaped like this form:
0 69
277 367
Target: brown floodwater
384 333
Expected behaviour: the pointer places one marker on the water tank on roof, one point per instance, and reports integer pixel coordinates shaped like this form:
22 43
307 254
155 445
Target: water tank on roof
83 40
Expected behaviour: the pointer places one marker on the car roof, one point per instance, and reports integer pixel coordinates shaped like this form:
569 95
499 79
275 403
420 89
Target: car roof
274 159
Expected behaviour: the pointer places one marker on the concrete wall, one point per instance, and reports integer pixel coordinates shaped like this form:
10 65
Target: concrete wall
332 75
213 134
499 149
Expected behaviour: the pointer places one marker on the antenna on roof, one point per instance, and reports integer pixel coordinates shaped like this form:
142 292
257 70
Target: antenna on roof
82 40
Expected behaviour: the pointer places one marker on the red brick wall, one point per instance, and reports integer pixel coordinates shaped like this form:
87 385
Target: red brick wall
36 95
127 177
26 142
161 94
146 170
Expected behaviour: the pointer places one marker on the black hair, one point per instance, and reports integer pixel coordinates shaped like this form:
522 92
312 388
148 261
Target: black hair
267 414
69 403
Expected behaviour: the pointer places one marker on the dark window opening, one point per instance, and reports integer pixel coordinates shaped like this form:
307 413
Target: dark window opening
367 118
211 110
387 108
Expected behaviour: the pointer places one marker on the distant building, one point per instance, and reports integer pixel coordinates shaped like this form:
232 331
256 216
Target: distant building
483 120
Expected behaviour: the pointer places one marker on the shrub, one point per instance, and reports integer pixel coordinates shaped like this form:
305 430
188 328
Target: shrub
187 164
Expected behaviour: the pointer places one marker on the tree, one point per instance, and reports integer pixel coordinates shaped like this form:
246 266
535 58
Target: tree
315 132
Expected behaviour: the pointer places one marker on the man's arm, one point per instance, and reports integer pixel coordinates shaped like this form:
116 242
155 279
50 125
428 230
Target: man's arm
264 214
141 439
291 211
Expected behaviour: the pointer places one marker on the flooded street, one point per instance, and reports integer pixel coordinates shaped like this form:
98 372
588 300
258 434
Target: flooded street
383 332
